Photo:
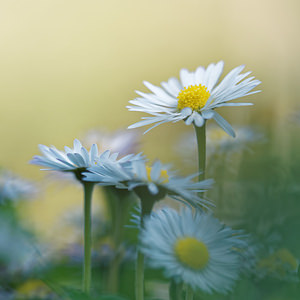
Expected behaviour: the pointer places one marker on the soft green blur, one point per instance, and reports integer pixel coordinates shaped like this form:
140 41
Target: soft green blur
68 66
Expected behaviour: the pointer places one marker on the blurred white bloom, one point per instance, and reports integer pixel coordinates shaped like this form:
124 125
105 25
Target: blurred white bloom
122 141
14 188
16 248
218 142
195 97
194 248
280 264
157 179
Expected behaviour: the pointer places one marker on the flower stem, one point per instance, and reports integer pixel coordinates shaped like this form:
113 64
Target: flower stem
139 276
175 290
147 204
201 143
87 274
189 295
119 202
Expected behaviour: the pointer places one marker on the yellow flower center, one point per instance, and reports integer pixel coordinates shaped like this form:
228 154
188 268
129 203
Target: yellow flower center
192 252
163 174
194 96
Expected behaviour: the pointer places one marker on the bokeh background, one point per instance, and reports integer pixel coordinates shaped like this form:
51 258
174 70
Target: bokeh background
69 66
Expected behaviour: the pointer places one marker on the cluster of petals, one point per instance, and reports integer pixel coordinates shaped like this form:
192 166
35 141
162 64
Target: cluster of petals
135 174
13 187
162 102
77 157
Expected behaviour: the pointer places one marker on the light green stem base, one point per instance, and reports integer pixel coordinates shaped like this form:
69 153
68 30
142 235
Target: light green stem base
189 294
87 273
147 204
175 290
139 276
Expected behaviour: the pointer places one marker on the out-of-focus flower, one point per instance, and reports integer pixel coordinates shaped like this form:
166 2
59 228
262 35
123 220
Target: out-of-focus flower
219 143
76 160
195 97
7 295
17 251
123 142
280 264
34 288
194 248
157 179
15 188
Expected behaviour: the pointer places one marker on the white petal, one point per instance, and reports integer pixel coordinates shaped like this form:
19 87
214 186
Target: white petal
207 114
198 120
224 124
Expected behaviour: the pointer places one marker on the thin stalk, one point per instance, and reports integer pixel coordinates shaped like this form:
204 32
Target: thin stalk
189 293
87 273
119 202
175 290
139 276
147 204
201 143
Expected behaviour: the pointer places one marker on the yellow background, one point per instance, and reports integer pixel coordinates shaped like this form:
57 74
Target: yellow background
68 66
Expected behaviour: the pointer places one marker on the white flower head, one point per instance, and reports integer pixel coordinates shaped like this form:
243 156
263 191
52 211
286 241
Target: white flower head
194 97
194 248
122 141
157 179
78 159
15 188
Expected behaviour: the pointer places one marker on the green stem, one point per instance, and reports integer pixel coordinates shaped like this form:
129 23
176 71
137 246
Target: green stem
87 274
201 143
175 290
147 204
139 276
189 293
119 202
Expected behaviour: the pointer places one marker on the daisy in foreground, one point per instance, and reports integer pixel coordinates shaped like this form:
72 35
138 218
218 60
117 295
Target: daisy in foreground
193 248
194 97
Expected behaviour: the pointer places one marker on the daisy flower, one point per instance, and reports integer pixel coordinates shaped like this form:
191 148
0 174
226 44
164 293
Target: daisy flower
15 188
194 97
156 180
193 248
76 159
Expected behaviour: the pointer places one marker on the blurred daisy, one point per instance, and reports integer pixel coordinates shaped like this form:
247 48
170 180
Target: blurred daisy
281 264
77 159
194 248
218 142
122 141
156 180
15 188
194 97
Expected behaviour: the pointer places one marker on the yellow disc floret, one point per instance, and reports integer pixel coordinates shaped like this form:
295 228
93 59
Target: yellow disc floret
192 252
193 96
163 175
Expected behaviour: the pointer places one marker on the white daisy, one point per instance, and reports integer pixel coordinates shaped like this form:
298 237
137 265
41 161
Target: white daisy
194 97
77 159
194 248
157 179
14 188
